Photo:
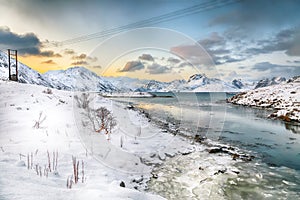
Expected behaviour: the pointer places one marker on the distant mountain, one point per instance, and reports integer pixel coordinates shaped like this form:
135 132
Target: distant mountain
82 79
237 83
76 78
25 74
267 82
195 83
79 78
126 84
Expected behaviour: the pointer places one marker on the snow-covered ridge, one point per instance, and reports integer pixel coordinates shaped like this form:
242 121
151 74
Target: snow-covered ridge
196 83
267 82
75 78
283 98
78 78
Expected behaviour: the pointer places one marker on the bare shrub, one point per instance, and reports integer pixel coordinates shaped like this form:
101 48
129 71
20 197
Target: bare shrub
82 171
83 101
75 169
107 121
49 162
69 182
40 120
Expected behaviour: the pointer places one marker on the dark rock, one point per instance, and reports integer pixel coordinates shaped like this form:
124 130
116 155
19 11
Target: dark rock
215 150
122 184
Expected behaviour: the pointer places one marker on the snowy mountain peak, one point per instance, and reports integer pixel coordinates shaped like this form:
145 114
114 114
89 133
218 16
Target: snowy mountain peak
196 77
79 78
267 82
238 83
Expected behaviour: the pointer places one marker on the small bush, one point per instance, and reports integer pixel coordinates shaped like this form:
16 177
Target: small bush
107 121
83 101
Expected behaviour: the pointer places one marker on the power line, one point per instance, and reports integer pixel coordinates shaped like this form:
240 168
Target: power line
205 6
151 21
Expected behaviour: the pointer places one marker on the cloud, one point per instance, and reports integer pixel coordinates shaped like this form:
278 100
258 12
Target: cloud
268 68
81 62
91 59
173 60
212 41
69 52
193 54
132 66
50 62
49 54
147 57
287 40
96 67
156 68
252 15
84 57
79 57
184 64
26 44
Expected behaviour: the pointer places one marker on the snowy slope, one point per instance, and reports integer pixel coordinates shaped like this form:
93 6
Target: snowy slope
284 98
75 78
78 78
26 74
20 108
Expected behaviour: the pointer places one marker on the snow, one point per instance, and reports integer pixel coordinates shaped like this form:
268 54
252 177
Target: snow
68 131
78 78
282 98
75 78
20 107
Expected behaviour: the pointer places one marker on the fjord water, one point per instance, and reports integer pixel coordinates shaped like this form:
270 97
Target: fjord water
275 171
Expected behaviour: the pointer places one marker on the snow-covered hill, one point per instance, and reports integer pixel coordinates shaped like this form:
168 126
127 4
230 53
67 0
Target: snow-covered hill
267 82
75 78
26 74
284 98
78 78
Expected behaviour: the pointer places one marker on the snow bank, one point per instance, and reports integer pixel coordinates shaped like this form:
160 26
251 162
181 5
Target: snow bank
20 107
284 99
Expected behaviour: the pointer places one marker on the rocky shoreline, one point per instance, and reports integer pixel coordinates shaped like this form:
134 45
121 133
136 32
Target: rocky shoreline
282 99
211 150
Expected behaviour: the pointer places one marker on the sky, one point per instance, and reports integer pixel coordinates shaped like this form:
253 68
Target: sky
163 39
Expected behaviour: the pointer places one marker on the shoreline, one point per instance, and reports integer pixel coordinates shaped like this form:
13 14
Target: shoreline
282 99
211 150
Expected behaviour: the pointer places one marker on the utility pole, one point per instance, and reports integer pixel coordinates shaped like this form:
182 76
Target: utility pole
12 55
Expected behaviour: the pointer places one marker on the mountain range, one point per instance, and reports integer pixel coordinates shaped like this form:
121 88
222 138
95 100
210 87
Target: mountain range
82 79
